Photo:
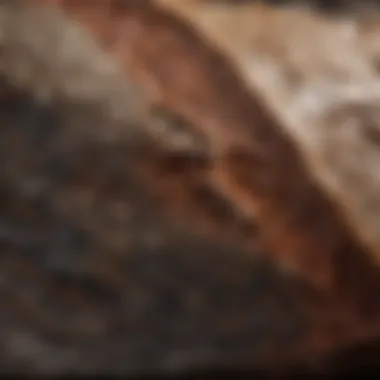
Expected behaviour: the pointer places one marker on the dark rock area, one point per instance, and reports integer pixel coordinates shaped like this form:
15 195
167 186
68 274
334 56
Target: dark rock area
123 253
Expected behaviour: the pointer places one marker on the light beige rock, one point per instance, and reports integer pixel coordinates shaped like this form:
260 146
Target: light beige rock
320 74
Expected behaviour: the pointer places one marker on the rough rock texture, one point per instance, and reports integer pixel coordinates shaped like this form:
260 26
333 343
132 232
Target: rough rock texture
188 185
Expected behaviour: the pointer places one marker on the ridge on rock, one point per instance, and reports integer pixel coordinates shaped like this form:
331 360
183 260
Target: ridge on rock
187 185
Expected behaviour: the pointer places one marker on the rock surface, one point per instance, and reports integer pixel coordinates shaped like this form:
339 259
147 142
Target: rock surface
188 185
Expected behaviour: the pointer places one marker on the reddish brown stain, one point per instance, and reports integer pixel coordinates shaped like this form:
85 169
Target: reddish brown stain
298 223
250 167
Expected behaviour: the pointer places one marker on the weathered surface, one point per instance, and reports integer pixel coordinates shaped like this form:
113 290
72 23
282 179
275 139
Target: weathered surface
166 206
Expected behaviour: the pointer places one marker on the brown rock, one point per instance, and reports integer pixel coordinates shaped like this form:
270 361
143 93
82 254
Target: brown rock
186 185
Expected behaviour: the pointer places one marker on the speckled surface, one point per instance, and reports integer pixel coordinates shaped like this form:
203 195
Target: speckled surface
139 232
